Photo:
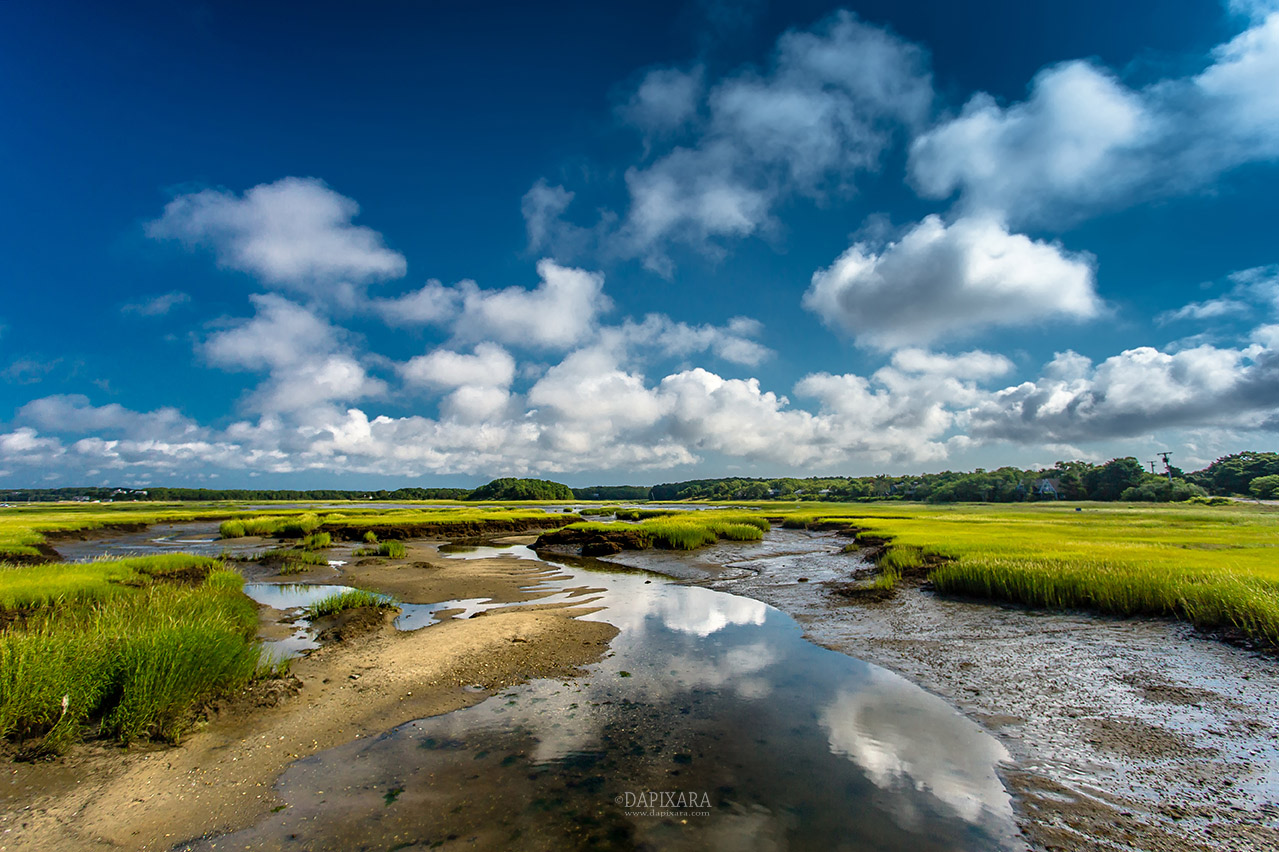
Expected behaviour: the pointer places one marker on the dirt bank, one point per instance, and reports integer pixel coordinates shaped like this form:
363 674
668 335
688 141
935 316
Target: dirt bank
1125 734
221 776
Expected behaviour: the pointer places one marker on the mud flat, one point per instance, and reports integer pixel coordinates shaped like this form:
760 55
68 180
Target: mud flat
1124 734
372 679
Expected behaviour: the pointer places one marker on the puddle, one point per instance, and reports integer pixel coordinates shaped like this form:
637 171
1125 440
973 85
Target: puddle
509 551
291 596
772 741
301 641
417 616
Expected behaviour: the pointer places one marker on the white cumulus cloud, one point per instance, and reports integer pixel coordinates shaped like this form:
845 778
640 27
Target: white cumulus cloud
295 233
304 355
489 366
1084 141
560 312
1136 392
948 281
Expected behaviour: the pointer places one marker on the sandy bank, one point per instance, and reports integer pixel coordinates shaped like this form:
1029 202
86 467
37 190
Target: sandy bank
221 776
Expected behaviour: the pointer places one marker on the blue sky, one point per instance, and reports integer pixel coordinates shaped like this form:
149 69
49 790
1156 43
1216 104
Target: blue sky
432 243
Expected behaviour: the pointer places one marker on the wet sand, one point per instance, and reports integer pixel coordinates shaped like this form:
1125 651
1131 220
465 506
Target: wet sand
221 777
1133 734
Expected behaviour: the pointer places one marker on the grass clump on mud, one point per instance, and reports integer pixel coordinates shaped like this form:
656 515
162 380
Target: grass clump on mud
394 549
289 561
317 541
679 531
349 599
124 648
280 526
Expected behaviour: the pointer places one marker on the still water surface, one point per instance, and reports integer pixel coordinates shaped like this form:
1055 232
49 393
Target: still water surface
773 743
711 724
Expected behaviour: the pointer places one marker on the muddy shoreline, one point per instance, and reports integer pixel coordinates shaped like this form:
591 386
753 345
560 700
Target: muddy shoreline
366 680
1136 734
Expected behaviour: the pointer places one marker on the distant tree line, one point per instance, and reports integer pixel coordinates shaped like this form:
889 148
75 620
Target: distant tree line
1249 473
1242 474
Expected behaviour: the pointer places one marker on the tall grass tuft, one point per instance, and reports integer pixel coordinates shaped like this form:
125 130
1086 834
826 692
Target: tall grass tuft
886 579
902 558
232 529
317 541
299 526
393 549
349 599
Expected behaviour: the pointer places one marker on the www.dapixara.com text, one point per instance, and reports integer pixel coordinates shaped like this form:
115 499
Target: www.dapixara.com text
665 803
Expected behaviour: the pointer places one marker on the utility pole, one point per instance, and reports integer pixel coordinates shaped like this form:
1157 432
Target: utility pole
1152 466
1167 466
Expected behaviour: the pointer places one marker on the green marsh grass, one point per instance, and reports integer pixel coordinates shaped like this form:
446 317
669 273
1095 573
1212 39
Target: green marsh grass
393 549
886 579
688 530
125 649
1213 566
349 599
232 529
317 541
644 514
280 526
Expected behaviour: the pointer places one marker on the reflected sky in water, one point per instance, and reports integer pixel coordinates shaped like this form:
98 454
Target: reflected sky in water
794 746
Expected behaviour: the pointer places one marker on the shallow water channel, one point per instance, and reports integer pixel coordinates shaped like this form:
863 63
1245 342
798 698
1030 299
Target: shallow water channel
711 724
198 537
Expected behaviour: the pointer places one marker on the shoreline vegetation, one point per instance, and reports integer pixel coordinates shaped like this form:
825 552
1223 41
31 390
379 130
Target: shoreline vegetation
123 648
1214 567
